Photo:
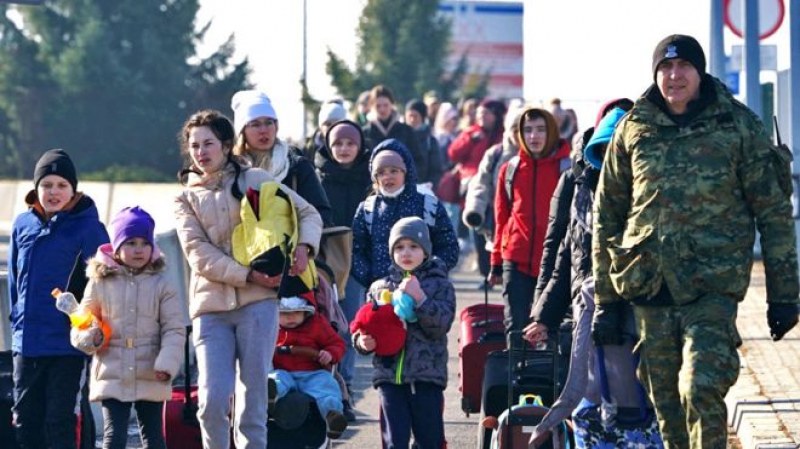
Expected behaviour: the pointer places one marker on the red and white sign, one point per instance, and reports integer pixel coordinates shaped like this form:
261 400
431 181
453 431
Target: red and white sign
770 16
490 34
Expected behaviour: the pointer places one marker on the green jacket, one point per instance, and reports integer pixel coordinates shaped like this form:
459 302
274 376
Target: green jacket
680 204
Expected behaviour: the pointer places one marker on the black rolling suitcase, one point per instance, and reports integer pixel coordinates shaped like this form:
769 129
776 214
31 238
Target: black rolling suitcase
531 371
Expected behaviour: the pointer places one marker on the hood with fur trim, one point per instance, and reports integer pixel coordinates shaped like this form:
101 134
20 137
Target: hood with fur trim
103 263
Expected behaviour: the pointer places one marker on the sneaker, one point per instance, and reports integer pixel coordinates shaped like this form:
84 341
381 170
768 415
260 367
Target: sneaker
348 412
336 424
272 395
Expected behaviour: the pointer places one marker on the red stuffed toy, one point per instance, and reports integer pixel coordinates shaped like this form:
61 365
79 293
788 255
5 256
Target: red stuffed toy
380 322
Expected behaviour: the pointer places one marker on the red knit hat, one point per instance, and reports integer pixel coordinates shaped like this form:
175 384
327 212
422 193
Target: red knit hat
380 322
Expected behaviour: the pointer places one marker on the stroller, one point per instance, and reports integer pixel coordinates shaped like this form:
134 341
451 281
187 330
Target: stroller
295 421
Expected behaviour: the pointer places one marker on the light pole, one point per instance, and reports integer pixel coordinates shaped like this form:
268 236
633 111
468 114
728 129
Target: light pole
305 58
752 58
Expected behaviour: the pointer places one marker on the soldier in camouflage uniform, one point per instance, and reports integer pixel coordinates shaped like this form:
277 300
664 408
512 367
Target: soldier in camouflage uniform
687 175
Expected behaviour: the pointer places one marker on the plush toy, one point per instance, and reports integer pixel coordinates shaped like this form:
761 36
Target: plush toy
379 320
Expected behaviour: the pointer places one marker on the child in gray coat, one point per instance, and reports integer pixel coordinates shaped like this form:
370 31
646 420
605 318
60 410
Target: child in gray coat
411 383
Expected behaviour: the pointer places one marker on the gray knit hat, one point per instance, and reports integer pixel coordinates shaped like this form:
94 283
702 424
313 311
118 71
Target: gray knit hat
411 228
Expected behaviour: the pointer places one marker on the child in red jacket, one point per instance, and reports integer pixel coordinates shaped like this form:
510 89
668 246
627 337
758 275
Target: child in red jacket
522 206
307 345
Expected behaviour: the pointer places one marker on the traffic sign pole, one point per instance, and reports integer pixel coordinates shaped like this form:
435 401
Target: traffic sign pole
717 41
752 60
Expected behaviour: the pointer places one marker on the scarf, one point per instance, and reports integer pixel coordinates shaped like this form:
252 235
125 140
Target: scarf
276 161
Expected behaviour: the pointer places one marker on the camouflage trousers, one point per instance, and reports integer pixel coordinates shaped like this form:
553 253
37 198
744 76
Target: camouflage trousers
688 363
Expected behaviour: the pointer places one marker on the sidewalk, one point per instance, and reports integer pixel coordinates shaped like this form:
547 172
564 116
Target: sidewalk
764 405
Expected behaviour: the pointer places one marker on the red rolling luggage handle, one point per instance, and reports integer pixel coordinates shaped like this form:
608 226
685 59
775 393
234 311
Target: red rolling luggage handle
486 321
189 413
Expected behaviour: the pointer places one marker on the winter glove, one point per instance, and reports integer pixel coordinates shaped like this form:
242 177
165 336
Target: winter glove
781 319
607 324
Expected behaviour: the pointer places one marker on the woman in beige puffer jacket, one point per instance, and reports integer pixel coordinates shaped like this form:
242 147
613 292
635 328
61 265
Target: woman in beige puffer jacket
233 308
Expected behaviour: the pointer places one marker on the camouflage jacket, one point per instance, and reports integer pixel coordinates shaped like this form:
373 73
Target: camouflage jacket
680 205
424 358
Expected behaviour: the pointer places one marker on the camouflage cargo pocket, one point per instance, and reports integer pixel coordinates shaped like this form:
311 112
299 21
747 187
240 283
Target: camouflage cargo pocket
634 269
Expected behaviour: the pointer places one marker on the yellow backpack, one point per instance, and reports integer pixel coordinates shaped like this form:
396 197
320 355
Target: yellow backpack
267 235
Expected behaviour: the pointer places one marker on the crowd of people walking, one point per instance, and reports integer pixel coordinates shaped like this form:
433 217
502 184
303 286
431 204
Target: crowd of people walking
637 231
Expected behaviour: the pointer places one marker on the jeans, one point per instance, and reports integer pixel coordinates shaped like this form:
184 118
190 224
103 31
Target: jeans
518 289
318 384
115 423
234 355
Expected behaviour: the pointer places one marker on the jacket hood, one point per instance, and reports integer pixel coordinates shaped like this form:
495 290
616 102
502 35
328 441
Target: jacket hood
79 204
398 147
103 263
324 157
623 103
553 141
594 151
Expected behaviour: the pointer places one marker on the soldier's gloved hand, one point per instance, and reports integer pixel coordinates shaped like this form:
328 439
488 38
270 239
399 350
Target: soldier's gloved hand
607 324
781 319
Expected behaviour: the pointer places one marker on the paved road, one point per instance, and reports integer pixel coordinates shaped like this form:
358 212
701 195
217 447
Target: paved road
764 405
460 431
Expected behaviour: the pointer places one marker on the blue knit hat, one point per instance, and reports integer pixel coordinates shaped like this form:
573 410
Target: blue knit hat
594 151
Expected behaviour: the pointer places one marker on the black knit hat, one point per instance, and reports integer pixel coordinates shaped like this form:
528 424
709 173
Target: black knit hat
417 105
55 162
680 46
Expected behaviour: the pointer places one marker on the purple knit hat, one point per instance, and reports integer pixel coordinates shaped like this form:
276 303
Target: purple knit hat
132 222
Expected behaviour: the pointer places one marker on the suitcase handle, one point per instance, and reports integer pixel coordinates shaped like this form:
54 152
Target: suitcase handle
515 340
189 408
485 323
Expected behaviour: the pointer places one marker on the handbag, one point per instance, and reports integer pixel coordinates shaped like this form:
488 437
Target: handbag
606 425
449 187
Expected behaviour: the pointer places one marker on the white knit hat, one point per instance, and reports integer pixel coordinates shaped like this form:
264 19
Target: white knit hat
295 304
331 112
249 105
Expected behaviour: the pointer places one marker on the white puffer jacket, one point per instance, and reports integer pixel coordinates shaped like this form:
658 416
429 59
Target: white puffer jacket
206 213
148 329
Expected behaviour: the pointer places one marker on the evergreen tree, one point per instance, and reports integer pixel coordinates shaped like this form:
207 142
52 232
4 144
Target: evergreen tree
401 44
117 81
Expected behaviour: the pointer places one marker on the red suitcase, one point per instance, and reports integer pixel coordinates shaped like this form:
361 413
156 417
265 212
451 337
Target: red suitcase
181 428
481 332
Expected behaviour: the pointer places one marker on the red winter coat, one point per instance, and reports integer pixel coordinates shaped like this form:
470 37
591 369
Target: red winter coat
315 332
468 148
521 226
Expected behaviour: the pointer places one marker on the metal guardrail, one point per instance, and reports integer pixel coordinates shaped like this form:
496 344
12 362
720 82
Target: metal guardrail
177 272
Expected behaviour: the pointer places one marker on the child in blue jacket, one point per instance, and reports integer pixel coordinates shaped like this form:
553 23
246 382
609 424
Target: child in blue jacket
395 177
50 245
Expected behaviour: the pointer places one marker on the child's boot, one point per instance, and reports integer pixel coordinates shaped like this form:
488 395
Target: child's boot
336 424
347 411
